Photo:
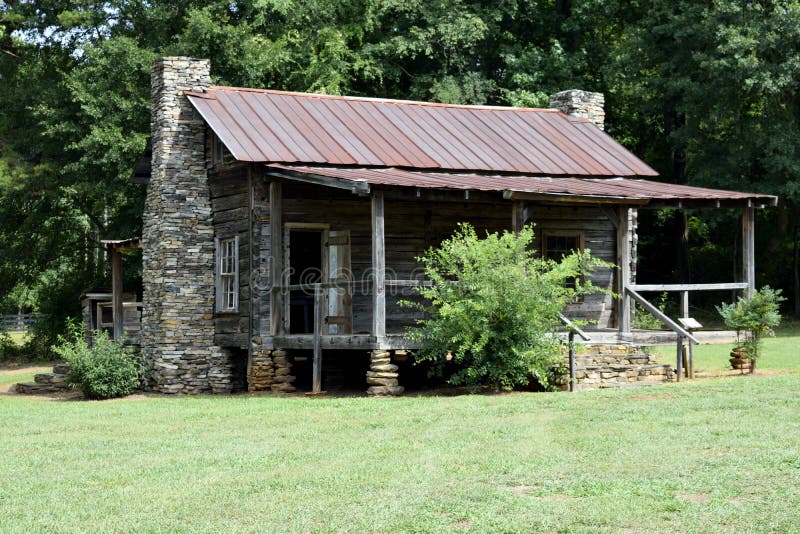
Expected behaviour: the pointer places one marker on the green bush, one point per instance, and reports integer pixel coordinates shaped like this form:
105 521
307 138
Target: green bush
753 318
105 370
493 307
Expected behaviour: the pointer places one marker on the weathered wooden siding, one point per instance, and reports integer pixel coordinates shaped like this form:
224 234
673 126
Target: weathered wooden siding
230 204
411 226
599 235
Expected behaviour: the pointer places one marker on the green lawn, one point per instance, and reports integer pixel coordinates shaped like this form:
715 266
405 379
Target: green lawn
703 456
781 352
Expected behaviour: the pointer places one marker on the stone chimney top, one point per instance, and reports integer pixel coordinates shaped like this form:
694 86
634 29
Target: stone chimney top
579 103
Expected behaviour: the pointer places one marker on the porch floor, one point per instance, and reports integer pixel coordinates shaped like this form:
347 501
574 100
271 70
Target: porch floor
399 341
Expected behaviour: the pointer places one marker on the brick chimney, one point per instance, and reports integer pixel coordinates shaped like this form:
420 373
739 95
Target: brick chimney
579 103
178 241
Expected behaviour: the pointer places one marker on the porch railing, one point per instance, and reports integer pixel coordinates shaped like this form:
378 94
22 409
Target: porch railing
572 329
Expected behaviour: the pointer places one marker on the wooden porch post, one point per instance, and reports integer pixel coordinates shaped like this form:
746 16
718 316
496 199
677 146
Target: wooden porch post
624 262
276 254
378 267
116 291
748 250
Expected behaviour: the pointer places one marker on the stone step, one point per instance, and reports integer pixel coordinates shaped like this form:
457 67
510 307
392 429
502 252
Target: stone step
52 379
34 388
61 368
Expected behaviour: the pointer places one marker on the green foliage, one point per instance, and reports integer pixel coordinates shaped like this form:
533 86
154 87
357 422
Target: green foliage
754 317
493 307
105 370
644 319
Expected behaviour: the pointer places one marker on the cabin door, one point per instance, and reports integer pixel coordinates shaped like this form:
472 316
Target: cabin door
315 254
304 257
339 316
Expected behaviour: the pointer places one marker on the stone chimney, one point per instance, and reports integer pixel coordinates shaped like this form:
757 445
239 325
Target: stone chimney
579 103
178 241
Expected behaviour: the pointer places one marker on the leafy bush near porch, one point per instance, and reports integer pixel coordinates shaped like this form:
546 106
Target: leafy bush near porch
105 370
493 306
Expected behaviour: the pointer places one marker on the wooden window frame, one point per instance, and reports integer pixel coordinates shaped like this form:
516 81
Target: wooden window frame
221 277
564 233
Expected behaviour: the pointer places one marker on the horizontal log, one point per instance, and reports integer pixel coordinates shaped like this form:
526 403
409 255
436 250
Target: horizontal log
688 287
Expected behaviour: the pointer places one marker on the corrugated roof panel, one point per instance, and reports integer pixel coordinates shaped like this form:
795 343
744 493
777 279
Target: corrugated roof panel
614 188
276 126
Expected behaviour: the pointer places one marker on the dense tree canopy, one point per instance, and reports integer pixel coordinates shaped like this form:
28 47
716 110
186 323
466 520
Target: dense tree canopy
708 92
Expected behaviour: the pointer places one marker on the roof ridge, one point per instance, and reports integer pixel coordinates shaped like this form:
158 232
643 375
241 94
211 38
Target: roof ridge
375 99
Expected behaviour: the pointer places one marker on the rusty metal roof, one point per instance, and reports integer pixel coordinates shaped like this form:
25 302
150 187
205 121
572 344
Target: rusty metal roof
283 127
616 190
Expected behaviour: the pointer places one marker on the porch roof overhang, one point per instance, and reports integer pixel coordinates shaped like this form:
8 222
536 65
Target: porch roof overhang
619 191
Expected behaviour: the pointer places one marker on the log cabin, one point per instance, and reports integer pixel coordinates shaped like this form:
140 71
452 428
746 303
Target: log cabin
282 226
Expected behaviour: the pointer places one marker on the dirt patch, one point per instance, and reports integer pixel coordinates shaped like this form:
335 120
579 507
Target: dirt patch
698 498
522 490
463 524
23 368
557 497
650 396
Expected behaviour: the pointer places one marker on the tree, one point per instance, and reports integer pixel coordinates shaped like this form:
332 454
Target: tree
493 307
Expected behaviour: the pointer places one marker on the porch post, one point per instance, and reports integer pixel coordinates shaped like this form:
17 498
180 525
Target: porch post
748 250
624 261
276 253
116 291
378 267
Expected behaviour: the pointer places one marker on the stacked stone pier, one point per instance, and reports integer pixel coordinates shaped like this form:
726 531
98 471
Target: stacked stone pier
283 382
382 375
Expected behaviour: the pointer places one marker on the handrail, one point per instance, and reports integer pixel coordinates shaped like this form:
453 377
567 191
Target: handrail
572 327
688 287
658 314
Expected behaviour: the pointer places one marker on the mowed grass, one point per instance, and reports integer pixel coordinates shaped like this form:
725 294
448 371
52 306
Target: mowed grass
703 456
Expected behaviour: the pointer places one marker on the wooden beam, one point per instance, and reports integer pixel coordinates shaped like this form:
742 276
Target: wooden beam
688 287
319 321
609 213
378 267
672 325
563 198
116 292
624 273
354 186
748 250
517 216
276 255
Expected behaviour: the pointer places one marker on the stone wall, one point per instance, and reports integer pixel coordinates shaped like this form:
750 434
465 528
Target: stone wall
613 366
178 241
583 104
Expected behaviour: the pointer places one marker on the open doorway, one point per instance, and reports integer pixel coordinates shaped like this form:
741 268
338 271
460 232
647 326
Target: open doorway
305 263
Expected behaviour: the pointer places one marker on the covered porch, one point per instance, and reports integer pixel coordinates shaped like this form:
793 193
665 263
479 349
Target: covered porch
521 199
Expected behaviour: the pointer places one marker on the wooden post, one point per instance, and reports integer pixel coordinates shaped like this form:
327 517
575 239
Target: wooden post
517 216
276 254
680 357
571 360
378 267
319 319
624 261
748 250
116 291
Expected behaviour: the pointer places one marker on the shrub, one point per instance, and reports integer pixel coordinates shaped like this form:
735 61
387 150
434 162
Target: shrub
753 318
105 370
493 307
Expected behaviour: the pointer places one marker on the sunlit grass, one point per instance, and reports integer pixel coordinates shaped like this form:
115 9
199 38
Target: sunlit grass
701 456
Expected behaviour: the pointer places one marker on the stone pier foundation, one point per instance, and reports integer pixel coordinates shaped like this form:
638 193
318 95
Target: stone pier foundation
261 372
382 375
283 380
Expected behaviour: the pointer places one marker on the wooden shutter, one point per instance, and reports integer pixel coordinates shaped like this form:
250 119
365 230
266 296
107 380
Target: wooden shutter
339 316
